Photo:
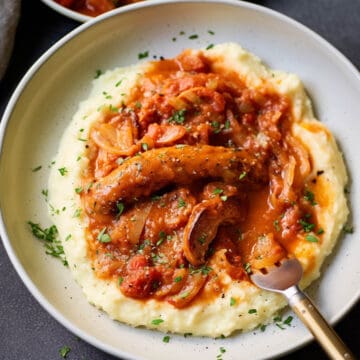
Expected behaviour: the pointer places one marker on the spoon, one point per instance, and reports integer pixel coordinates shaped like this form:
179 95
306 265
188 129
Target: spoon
284 278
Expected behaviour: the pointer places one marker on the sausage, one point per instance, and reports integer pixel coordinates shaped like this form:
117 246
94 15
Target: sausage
154 169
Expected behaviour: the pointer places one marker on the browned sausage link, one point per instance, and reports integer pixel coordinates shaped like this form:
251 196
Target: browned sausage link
203 224
142 175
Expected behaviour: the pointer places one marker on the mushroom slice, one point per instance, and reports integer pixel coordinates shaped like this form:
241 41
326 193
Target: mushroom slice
203 224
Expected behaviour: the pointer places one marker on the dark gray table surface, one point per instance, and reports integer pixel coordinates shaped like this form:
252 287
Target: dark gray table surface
27 331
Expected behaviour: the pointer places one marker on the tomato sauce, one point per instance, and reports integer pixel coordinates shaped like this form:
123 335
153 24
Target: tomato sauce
194 177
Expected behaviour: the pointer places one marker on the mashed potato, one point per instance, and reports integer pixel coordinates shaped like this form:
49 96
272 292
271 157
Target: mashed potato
229 311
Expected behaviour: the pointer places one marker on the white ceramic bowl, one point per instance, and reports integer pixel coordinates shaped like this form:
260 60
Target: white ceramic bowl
67 12
47 97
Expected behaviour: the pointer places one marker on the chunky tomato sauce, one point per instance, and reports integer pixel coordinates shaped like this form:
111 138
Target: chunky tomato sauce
194 177
94 7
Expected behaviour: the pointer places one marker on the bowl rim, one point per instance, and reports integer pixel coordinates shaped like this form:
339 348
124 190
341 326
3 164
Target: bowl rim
10 107
67 12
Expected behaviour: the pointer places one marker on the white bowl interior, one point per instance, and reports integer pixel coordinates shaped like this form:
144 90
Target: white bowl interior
48 96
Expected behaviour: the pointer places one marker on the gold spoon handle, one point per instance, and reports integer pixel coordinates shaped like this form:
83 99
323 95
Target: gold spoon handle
319 327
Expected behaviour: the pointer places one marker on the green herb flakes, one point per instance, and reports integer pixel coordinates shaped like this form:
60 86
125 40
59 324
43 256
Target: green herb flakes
50 239
145 146
232 301
218 191
157 321
64 351
79 190
307 226
193 37
181 203
247 268
120 207
288 320
35 169
311 238
63 171
242 175
103 237
348 229
178 279
143 55
276 225
310 197
98 72
178 117
252 311
166 339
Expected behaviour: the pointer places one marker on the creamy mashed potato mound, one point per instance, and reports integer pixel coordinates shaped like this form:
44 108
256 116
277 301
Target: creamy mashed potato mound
223 314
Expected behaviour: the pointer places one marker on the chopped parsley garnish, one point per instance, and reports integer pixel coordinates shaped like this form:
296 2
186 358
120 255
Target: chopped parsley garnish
107 95
247 268
310 197
193 37
184 295
210 46
348 229
155 198
162 237
181 203
178 279
35 169
138 105
288 320
64 351
307 227
178 117
63 171
211 32
103 236
119 83
216 126
320 231
120 280
202 239
232 301
113 108
145 146
242 175
98 72
276 225
157 321
252 311
311 238
223 197
120 207
218 191
263 327
143 55
77 213
166 339
78 190
50 239
205 269
279 322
